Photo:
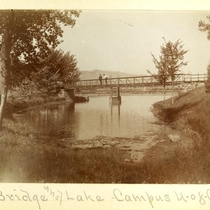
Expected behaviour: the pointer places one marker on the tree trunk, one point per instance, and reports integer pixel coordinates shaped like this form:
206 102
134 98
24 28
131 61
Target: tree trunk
3 87
5 64
2 106
164 92
172 98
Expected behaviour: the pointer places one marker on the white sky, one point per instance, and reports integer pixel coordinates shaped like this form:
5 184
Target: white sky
123 40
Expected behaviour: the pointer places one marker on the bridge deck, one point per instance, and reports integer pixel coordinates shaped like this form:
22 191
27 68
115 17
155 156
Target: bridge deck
140 81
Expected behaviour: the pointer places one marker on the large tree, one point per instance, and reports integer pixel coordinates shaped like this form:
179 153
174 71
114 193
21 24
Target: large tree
26 37
205 27
170 61
56 70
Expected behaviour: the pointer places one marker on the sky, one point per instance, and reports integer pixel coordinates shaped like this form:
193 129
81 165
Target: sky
120 40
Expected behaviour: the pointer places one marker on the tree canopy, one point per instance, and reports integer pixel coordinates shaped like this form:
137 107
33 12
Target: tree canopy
27 38
30 35
57 69
205 27
171 59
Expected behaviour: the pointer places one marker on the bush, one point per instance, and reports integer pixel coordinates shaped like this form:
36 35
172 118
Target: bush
207 84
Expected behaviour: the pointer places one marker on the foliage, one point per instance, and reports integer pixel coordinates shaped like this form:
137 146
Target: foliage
162 76
170 61
207 84
32 36
205 27
26 39
57 69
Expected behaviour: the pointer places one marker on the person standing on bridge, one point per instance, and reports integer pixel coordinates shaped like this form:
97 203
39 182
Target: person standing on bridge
105 78
100 79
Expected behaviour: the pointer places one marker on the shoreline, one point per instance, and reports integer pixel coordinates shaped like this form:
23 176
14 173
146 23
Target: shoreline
179 150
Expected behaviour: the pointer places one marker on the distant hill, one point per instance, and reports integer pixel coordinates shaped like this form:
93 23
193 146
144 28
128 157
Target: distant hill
95 73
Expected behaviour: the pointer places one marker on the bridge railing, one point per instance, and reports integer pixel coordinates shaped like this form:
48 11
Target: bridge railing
142 80
192 77
119 81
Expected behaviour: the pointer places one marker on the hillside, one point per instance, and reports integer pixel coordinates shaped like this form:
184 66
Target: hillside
111 74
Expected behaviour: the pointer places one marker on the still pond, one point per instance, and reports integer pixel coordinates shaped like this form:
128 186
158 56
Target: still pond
97 117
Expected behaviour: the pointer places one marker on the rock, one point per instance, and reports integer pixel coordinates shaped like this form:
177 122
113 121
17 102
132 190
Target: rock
97 145
104 143
106 146
113 143
174 138
161 141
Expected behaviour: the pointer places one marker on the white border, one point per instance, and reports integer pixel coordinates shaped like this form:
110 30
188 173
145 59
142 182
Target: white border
196 193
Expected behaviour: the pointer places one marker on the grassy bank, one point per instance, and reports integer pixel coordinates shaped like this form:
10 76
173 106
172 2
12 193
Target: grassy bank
16 103
190 114
26 158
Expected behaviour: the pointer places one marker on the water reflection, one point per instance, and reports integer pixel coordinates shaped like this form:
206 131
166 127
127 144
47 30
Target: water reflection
96 118
115 113
54 120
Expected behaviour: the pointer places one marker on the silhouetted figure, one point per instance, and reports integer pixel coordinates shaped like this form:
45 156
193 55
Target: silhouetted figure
105 78
100 79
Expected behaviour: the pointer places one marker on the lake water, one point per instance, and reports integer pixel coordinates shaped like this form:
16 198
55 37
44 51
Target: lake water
97 117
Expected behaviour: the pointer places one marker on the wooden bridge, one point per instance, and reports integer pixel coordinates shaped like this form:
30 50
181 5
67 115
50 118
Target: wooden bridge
139 81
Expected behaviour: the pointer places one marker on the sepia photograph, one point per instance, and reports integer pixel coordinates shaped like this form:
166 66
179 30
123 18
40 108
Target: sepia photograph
104 105
104 96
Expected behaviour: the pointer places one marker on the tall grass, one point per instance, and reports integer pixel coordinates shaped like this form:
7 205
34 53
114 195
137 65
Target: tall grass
191 114
191 110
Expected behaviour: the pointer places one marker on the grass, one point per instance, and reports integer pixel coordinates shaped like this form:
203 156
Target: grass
25 158
190 114
191 111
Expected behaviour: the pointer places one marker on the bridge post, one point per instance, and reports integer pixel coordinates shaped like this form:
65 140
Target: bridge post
115 99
